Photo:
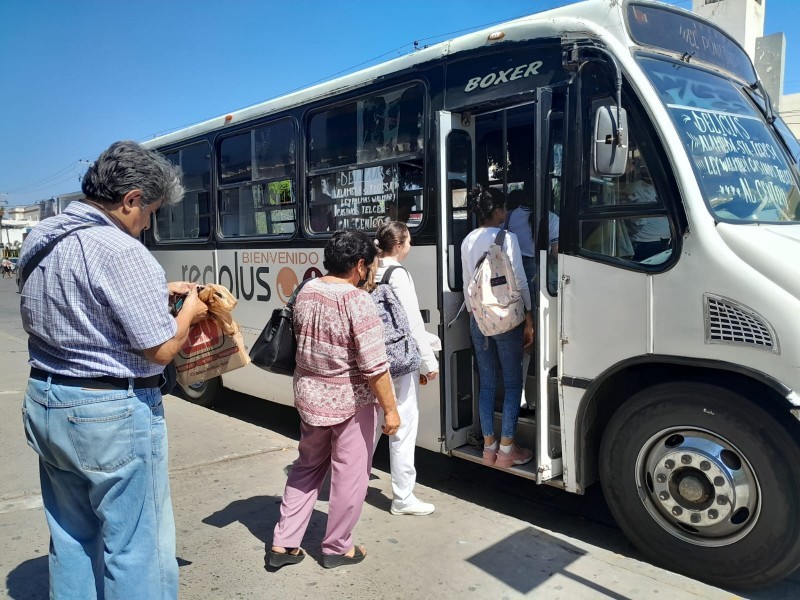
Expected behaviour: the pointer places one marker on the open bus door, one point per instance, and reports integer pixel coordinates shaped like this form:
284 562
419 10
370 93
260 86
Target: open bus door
538 428
455 177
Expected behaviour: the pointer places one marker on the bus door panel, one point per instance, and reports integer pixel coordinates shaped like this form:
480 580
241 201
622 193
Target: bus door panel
455 177
603 316
549 147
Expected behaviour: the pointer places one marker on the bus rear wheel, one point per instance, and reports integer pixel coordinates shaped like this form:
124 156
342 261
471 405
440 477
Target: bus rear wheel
203 393
706 483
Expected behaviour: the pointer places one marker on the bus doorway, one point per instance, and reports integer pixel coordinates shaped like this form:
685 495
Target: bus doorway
507 150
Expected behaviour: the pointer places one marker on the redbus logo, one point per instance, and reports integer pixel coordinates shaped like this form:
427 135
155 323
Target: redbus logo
249 278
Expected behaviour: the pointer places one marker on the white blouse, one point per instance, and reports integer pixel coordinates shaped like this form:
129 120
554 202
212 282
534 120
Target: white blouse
403 286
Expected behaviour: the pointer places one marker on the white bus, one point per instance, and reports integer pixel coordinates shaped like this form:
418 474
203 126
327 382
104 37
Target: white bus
667 354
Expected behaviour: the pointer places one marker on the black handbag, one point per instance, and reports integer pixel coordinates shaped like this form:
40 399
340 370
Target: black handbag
275 348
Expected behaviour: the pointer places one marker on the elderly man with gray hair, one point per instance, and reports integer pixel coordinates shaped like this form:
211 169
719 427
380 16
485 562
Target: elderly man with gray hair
95 307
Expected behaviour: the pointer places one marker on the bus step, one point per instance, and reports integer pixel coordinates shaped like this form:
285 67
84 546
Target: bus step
473 454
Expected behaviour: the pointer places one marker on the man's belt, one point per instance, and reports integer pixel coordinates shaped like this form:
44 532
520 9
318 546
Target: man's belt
105 382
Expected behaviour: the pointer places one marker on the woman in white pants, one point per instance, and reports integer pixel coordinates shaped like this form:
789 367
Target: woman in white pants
394 243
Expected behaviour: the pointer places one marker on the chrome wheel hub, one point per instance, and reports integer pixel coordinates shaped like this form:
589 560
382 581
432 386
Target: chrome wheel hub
698 486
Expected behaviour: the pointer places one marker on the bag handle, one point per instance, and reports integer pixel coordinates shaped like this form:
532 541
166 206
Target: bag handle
387 275
293 297
37 258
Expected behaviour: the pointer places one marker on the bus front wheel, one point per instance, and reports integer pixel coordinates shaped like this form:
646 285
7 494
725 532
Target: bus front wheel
705 482
203 393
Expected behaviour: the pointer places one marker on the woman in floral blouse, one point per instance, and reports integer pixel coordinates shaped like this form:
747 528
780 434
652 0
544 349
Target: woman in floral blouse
342 375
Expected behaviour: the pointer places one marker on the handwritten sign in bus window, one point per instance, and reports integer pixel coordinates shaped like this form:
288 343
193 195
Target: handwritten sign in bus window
742 170
354 199
740 167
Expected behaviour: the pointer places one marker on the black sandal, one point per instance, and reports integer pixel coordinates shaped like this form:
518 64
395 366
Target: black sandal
330 561
279 559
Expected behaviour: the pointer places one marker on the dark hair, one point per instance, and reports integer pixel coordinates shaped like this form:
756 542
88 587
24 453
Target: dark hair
345 248
127 166
516 198
483 202
389 235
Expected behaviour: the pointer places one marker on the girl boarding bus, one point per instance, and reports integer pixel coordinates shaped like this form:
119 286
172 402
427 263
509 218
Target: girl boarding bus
666 363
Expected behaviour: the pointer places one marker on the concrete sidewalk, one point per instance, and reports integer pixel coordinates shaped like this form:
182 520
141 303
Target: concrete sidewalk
228 477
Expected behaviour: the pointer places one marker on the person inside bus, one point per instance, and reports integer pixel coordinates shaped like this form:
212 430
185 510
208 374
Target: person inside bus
321 215
520 221
342 375
393 241
401 210
505 348
649 235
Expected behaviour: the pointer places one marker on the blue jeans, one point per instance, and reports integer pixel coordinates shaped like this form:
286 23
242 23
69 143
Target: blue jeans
506 349
105 488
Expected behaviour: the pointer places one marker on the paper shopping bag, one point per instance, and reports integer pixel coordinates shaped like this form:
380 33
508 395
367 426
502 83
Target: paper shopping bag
209 352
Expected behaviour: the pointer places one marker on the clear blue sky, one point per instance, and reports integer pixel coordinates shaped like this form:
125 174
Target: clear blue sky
78 75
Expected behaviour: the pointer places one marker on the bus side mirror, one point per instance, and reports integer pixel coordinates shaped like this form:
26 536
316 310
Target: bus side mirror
610 143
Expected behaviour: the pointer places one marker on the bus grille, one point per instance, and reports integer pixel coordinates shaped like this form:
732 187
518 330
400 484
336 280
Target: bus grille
728 322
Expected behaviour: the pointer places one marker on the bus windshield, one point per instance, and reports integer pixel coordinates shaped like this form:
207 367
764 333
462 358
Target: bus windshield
743 170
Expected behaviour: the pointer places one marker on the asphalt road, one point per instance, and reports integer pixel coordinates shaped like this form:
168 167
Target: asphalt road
492 535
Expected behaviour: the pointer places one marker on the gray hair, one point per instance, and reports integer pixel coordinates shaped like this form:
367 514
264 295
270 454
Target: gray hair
127 166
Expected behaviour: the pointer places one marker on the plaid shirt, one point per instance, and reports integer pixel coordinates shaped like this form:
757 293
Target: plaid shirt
96 301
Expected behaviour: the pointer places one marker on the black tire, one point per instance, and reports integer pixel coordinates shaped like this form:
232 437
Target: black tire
204 393
749 541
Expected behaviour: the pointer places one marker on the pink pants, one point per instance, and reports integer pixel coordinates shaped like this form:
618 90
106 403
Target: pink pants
346 449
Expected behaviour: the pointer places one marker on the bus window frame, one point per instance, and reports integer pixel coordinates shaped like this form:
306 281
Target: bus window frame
219 187
212 206
674 54
422 156
651 147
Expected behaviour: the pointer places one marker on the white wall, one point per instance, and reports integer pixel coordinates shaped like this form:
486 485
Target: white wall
742 19
790 111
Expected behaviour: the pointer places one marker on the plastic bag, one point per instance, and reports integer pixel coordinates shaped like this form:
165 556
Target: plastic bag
220 303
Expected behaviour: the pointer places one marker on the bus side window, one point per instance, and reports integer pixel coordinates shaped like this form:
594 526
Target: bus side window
626 217
550 223
459 177
365 161
189 219
256 187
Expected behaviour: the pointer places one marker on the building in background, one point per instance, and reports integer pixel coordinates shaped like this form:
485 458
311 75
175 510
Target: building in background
16 223
65 199
742 19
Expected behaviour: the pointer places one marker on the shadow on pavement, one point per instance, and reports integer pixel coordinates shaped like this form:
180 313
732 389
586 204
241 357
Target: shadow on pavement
543 506
260 514
586 517
29 580
526 559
